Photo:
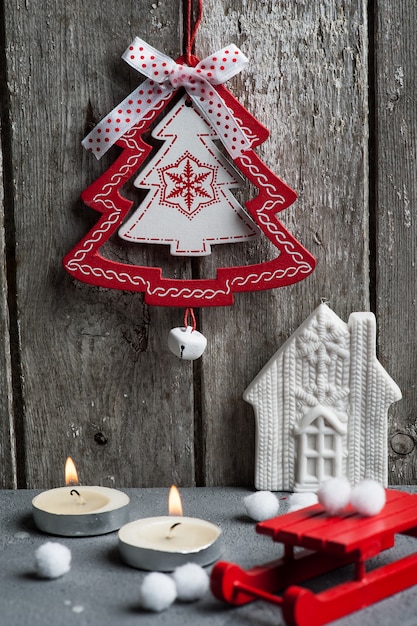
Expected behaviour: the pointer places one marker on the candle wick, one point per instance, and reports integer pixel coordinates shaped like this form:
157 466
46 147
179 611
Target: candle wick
80 498
170 534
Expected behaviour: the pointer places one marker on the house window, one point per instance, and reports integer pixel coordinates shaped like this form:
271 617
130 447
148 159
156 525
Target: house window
320 450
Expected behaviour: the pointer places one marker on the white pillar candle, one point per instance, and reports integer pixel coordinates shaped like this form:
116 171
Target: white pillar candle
164 543
80 511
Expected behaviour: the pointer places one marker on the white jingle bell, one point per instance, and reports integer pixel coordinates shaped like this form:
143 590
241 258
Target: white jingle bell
186 343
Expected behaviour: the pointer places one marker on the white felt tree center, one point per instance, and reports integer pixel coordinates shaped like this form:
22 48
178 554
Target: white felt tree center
190 205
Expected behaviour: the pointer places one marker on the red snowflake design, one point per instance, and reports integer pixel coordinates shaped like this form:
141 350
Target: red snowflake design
188 185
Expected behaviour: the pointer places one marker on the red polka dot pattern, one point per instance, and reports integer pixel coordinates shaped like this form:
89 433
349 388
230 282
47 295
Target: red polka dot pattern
165 76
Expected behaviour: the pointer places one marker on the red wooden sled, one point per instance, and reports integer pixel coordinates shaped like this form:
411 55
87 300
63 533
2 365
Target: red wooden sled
331 542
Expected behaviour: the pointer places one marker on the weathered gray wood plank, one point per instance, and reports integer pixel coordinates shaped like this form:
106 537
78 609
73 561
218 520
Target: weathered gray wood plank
99 383
8 474
307 82
396 186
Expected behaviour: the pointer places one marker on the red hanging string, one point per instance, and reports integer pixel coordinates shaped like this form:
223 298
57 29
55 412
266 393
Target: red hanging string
186 314
191 33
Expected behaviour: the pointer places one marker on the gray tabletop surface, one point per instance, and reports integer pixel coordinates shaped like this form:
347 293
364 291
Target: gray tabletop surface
100 590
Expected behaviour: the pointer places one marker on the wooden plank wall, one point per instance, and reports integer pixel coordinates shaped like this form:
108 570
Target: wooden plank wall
395 220
86 371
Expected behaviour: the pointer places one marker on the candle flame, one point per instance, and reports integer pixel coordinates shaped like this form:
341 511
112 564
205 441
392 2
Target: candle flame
174 501
71 476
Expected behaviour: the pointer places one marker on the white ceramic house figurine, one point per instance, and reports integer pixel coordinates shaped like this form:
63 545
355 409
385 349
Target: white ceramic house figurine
321 406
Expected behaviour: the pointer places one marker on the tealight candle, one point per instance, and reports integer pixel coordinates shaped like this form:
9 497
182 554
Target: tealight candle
163 543
80 511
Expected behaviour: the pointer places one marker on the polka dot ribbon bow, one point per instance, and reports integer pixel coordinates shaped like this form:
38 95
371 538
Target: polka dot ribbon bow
165 76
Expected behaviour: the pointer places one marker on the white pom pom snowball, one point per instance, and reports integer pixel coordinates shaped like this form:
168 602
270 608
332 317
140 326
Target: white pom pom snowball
192 582
261 505
334 495
157 592
368 497
298 501
52 560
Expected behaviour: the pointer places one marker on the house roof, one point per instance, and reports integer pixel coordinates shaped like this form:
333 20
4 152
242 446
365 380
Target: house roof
323 314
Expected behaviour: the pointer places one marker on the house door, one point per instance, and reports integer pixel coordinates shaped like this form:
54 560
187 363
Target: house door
320 451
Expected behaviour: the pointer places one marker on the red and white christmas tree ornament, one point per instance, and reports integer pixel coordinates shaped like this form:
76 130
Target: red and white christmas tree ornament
189 204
